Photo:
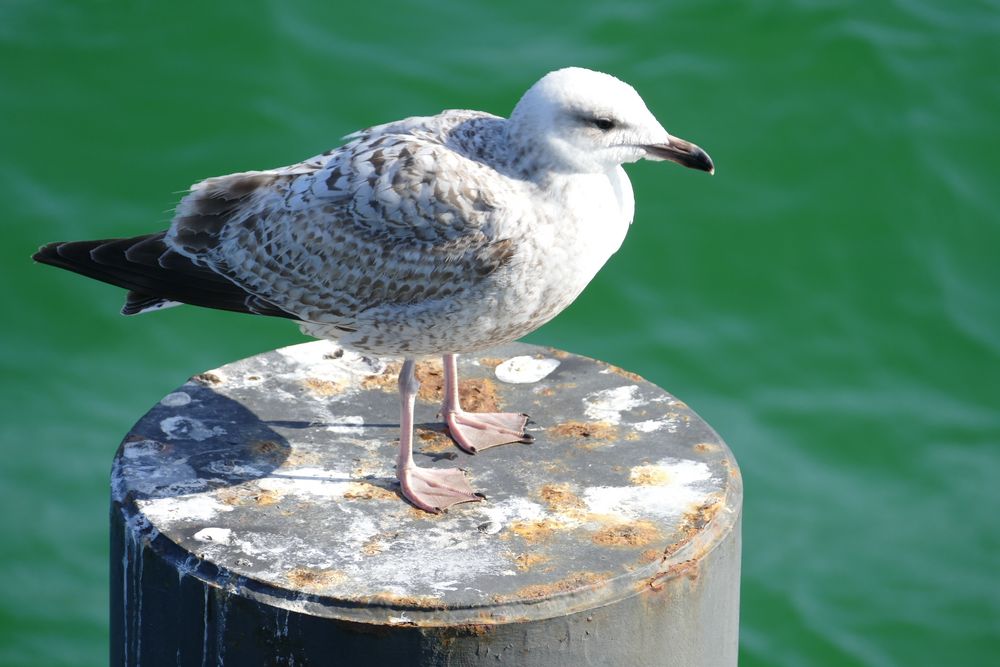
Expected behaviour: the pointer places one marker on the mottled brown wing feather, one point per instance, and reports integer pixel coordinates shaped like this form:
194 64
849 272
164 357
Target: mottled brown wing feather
385 220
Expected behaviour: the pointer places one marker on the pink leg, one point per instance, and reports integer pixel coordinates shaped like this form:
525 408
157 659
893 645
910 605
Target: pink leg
430 489
475 431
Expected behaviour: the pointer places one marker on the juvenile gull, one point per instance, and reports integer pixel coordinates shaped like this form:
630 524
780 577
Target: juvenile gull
435 235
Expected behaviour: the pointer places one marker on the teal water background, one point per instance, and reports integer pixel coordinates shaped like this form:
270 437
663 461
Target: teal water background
828 301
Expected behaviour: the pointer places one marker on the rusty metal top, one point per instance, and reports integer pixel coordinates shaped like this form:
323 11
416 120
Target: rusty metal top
274 477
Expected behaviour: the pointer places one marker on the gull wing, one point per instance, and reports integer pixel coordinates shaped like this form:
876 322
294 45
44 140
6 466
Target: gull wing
402 214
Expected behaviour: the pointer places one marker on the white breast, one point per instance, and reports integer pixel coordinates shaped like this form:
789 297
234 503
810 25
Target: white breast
604 207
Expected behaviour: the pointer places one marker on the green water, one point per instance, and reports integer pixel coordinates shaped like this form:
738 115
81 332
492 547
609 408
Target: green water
828 301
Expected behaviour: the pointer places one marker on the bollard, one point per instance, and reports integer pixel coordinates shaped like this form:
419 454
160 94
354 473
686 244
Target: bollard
255 520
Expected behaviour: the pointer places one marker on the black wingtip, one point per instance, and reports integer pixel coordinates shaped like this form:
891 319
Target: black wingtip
47 252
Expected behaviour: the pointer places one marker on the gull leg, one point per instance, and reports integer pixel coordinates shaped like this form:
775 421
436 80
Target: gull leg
474 431
430 489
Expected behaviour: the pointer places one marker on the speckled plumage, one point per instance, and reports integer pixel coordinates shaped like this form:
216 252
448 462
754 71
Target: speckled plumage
442 235
417 237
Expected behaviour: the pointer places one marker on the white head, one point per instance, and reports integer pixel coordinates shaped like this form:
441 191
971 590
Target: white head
583 121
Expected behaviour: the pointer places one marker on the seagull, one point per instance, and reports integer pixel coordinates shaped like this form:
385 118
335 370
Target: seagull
433 235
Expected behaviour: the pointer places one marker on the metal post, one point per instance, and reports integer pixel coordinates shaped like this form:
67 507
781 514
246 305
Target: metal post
255 521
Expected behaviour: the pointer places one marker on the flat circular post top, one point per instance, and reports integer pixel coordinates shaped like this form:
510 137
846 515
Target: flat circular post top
275 476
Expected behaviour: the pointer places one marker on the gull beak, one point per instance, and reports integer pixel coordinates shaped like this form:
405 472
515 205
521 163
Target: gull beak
682 152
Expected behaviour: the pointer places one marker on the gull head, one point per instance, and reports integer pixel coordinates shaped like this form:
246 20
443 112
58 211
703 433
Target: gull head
580 121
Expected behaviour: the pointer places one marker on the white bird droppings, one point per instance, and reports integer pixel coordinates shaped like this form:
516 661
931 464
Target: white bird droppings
524 370
307 481
608 404
345 424
650 425
176 400
685 482
188 428
215 535
511 509
194 507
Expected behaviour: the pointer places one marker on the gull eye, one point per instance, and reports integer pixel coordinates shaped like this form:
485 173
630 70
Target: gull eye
603 124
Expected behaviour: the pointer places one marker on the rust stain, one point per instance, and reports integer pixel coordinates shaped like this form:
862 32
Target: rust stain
247 495
311 579
649 475
388 380
372 547
702 515
370 466
560 498
412 601
435 441
571 510
686 568
628 375
234 495
302 457
536 531
267 497
650 556
448 634
368 491
430 375
630 534
377 543
572 582
324 388
692 523
590 430
265 448
559 354
268 450
420 516
706 447
207 378
490 362
527 561
479 395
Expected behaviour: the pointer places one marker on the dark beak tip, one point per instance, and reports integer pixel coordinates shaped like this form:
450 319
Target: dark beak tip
700 160
685 154
711 166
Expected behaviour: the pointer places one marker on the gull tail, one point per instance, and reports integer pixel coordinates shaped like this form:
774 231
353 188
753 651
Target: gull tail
155 276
